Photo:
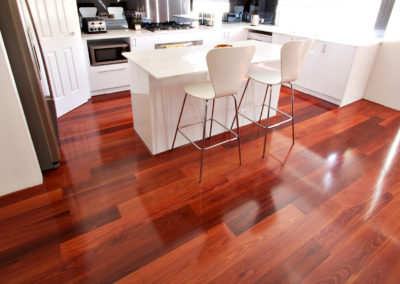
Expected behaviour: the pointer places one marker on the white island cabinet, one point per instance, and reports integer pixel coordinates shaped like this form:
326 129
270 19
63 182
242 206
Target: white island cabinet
158 78
334 72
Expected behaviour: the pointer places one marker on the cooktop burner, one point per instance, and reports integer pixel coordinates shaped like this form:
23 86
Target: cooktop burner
165 26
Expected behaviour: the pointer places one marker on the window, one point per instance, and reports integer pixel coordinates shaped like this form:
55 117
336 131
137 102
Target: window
383 17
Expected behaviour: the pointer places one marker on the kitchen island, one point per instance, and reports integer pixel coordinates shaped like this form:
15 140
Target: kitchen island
157 80
337 69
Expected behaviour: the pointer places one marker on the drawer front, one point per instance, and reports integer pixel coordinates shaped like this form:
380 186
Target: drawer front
282 39
260 37
110 76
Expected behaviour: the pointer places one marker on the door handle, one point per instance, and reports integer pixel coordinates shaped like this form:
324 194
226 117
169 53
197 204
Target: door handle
71 33
111 70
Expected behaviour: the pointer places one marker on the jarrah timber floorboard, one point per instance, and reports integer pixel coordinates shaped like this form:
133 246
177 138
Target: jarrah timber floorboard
325 210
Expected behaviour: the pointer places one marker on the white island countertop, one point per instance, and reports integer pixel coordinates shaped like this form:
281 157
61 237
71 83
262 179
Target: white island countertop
170 62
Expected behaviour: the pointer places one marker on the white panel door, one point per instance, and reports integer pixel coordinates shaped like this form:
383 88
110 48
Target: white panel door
58 27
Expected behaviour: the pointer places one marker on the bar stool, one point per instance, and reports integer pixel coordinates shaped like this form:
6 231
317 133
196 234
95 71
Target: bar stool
227 67
293 56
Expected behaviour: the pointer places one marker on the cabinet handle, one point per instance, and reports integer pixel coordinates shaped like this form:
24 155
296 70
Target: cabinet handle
71 33
119 69
324 48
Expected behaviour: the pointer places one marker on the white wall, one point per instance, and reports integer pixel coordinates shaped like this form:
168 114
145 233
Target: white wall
19 167
384 82
355 18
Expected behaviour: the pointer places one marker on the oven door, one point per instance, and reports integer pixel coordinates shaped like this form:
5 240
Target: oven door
107 54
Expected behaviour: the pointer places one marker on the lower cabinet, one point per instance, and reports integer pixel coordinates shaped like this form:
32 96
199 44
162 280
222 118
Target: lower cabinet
334 72
333 69
104 79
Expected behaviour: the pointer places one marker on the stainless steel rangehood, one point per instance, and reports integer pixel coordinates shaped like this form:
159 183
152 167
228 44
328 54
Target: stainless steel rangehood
164 10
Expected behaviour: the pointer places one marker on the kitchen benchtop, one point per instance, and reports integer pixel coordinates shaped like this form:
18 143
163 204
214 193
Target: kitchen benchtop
346 39
334 38
143 32
170 62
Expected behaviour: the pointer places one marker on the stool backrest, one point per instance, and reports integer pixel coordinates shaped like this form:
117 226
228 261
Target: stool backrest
227 67
293 56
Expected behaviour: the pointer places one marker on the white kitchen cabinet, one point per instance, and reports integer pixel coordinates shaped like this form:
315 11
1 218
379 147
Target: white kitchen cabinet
235 34
333 69
307 76
334 72
282 38
107 77
142 43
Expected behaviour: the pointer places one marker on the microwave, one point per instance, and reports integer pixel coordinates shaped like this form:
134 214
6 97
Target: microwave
104 52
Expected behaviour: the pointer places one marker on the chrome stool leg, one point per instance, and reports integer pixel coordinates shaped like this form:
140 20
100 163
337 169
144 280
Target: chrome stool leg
292 93
204 142
212 117
241 99
179 121
238 131
263 104
266 129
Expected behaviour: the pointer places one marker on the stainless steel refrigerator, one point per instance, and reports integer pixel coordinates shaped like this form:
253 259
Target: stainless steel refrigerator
28 67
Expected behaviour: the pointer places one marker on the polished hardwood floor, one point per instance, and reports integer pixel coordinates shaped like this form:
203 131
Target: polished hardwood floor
326 210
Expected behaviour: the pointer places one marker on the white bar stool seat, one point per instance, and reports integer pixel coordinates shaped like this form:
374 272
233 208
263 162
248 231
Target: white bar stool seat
270 77
204 91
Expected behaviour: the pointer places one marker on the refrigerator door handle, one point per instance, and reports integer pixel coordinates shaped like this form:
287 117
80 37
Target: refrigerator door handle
35 56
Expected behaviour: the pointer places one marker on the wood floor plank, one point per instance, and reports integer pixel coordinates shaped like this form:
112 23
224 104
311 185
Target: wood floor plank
297 266
252 263
202 272
117 256
350 259
387 220
30 203
170 269
382 266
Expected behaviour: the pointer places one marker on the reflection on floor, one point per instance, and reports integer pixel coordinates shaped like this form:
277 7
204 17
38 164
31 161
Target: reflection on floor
326 209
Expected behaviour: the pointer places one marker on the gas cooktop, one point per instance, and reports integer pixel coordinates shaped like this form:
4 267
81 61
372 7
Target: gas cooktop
165 26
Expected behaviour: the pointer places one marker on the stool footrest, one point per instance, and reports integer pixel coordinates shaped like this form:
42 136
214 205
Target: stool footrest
270 126
212 146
